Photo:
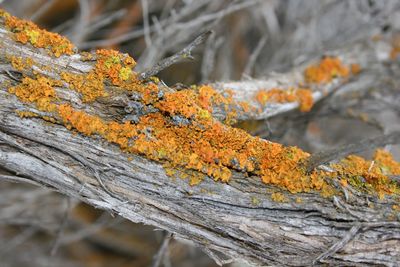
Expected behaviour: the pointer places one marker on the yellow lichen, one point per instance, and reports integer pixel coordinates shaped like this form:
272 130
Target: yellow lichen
125 73
255 201
204 114
33 36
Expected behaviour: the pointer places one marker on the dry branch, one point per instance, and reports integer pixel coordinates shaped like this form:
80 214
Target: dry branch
183 54
237 219
345 150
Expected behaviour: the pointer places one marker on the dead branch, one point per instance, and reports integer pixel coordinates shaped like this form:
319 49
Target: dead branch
237 219
183 54
162 250
342 151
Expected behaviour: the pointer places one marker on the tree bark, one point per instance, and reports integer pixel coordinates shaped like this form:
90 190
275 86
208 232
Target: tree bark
230 221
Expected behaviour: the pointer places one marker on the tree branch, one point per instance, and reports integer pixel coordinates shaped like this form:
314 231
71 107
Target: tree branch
238 219
183 54
342 151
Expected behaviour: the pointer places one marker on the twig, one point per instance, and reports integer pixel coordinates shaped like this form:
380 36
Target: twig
145 8
184 12
78 35
19 239
253 57
184 53
210 51
345 150
102 222
218 260
105 19
60 231
41 10
163 248
132 17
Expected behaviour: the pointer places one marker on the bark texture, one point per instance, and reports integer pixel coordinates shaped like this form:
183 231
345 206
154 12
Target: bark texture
229 221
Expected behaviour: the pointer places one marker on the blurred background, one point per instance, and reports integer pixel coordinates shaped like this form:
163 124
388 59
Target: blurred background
251 39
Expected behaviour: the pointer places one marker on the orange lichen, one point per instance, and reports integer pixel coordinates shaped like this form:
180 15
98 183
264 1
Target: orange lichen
325 71
278 197
305 99
370 175
89 85
208 97
81 121
205 146
343 182
395 52
20 63
212 150
388 165
27 114
245 107
181 103
110 66
281 167
39 91
355 69
181 132
26 31
276 95
114 66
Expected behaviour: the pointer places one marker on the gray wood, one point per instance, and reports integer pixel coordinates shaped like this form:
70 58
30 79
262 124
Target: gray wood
229 221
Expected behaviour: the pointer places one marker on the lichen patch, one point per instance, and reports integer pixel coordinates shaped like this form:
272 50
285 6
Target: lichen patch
28 32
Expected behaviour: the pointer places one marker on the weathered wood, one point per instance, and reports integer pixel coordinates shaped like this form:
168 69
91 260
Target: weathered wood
238 220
